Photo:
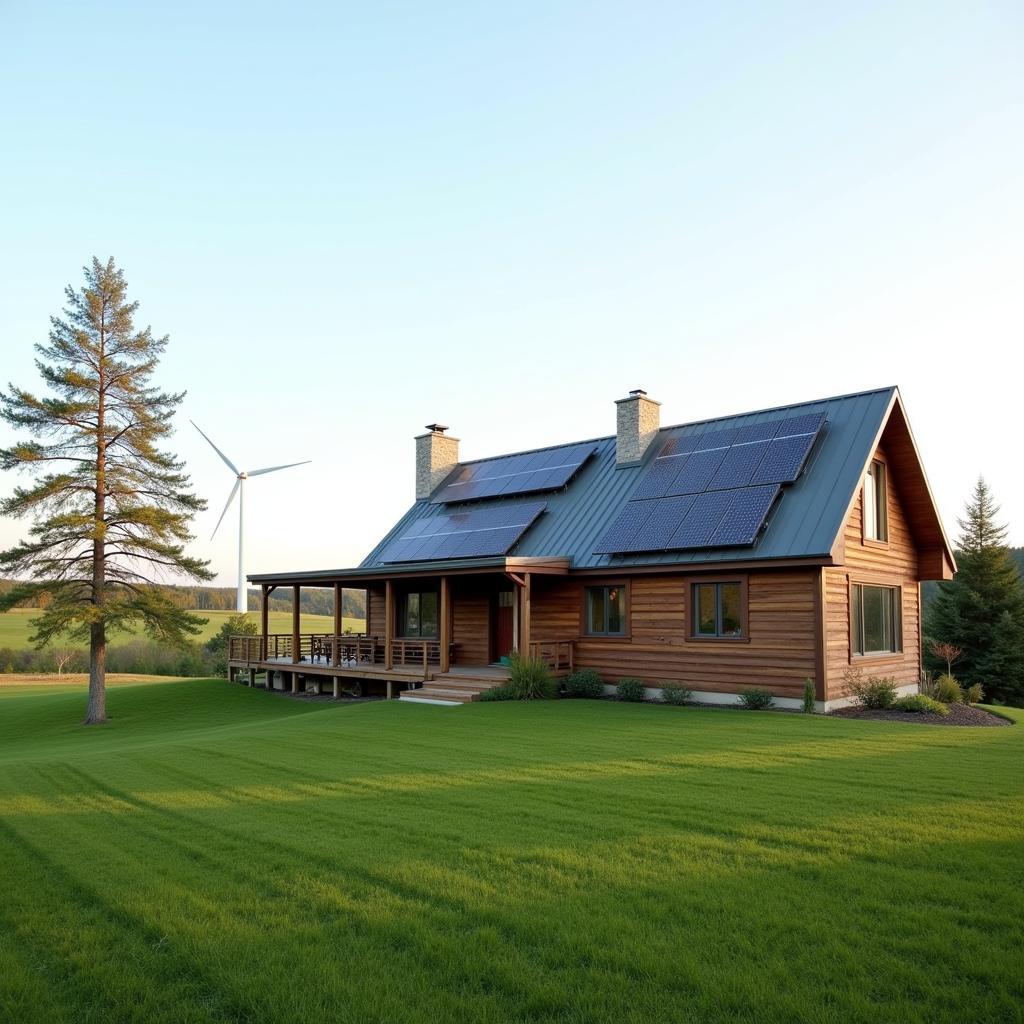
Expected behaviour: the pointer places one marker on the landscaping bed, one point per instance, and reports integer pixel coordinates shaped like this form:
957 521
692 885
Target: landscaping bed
959 714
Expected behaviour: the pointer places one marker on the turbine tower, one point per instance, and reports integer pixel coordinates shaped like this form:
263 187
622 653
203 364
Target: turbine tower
239 489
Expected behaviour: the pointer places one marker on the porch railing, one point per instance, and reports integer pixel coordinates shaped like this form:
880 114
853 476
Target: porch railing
558 655
347 650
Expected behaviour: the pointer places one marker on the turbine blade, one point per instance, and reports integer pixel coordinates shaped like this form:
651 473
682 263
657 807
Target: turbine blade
274 469
227 461
231 498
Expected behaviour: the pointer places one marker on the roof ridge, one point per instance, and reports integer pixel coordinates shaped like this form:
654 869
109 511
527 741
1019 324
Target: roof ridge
691 423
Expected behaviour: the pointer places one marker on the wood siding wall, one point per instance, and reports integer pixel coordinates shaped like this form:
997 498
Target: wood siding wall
471 621
778 655
893 563
375 612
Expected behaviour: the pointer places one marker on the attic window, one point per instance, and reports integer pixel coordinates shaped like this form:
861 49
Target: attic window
876 519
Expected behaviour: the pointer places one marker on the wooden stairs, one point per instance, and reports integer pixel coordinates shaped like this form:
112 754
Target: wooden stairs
454 688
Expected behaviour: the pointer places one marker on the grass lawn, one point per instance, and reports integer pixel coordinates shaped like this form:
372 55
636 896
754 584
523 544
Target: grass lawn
15 627
221 854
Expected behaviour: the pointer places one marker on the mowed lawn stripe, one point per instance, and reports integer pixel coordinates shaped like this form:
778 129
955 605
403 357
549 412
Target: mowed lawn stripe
571 861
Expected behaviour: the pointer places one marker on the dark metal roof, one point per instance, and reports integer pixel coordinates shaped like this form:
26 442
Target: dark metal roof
803 524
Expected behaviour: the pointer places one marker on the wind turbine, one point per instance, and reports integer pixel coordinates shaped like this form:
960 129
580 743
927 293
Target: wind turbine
239 489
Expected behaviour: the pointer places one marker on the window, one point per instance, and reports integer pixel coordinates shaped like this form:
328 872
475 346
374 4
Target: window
876 521
718 609
419 614
875 619
605 610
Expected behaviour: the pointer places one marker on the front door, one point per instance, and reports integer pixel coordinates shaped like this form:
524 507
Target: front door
504 624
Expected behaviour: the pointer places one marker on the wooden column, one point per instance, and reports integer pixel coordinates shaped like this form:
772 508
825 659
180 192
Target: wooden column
389 622
337 609
446 624
524 618
265 618
296 636
252 677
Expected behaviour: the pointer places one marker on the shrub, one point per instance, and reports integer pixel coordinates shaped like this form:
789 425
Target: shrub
972 694
808 705
927 684
754 699
920 704
874 693
584 682
674 693
631 689
947 689
530 679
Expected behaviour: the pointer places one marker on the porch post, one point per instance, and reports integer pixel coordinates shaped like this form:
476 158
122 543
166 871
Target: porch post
524 619
446 629
296 637
337 624
389 623
265 618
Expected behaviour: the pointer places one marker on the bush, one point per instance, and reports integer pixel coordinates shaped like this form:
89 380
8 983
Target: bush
584 682
498 693
927 684
808 705
947 689
920 704
530 679
875 693
972 694
674 693
631 689
754 699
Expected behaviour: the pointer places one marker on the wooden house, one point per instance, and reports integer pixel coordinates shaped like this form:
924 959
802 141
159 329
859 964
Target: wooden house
761 549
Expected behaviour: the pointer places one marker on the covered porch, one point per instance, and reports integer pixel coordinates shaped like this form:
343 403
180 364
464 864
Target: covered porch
453 624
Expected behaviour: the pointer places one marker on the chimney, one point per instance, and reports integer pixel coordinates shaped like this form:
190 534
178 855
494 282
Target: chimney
636 422
437 455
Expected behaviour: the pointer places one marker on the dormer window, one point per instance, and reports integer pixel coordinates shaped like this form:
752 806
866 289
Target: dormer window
876 519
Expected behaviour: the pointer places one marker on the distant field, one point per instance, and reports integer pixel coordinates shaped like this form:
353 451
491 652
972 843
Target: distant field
16 628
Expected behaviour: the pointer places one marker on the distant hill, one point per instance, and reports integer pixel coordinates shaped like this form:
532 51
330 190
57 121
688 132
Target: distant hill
312 600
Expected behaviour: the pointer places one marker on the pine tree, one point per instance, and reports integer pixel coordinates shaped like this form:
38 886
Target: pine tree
110 509
981 610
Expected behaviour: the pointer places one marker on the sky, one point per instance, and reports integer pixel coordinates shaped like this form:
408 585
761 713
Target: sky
356 219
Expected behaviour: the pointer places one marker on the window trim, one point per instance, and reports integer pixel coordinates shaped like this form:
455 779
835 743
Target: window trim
899 653
403 617
601 584
690 610
882 541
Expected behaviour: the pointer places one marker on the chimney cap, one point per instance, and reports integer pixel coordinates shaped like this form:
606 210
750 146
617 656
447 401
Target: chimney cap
637 392
437 428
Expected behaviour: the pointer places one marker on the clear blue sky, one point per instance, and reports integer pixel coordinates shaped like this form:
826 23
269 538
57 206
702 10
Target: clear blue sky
354 220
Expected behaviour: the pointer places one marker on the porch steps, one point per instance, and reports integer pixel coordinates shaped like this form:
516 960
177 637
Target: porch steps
447 690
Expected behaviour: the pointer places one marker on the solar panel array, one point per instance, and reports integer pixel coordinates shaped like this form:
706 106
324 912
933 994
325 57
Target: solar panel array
528 473
713 489
467 533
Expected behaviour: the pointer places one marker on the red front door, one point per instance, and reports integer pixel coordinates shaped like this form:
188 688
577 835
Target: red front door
504 624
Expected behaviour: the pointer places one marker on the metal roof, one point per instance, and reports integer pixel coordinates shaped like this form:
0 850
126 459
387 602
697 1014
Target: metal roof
804 523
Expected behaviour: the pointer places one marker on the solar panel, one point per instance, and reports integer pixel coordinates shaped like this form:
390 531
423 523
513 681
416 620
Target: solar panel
713 488
738 465
468 533
514 474
659 526
620 534
745 515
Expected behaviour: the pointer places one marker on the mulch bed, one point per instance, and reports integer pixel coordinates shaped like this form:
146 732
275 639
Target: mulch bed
959 714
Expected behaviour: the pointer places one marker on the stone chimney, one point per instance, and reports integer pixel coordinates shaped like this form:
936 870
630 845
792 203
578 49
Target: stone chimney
437 454
637 419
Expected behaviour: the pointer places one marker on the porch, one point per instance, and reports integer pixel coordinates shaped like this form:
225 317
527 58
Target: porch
450 631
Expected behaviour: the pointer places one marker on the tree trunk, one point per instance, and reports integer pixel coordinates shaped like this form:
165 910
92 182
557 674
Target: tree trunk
96 711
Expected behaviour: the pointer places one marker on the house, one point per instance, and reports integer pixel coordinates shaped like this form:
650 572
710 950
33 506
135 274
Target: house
761 549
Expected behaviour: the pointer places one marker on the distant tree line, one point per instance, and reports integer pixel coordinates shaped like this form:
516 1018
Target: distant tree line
312 600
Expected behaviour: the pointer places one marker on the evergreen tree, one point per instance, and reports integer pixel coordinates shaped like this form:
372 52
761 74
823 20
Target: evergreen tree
981 610
110 509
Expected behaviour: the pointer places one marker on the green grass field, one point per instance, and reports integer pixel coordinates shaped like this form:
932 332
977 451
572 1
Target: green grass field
15 627
220 854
